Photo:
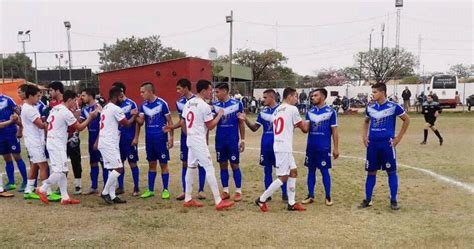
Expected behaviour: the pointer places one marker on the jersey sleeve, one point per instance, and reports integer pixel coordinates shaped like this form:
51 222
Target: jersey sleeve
241 107
11 103
166 109
208 113
333 119
140 110
31 114
367 112
83 114
296 116
259 119
306 116
118 114
399 110
70 119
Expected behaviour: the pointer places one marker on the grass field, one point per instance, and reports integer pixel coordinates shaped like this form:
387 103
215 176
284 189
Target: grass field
434 213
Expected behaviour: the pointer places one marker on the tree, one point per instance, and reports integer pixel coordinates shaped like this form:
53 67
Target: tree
331 77
130 52
14 66
387 65
460 70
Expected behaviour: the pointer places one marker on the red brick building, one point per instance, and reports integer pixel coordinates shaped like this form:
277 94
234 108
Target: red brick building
163 75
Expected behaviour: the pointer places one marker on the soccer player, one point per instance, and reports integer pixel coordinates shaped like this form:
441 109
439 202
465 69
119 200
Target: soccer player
40 105
183 87
13 119
431 111
127 133
228 147
60 120
321 124
378 135
88 99
155 113
267 155
285 118
108 143
197 121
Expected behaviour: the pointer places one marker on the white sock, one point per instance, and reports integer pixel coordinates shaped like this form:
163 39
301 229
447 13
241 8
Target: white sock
238 190
190 174
49 190
105 191
52 179
291 189
78 182
30 183
226 189
112 189
1 183
63 186
212 181
271 189
111 184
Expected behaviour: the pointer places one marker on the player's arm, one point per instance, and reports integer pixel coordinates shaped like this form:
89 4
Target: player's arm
335 141
179 124
406 122
13 119
138 125
169 121
132 119
301 125
365 131
242 135
81 126
211 124
305 126
252 126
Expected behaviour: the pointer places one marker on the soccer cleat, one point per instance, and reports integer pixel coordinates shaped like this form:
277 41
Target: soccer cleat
225 196
31 196
10 186
165 195
441 140
6 194
224 204
201 196
77 190
237 197
262 205
308 200
296 207
283 197
107 199
192 203
92 191
117 200
394 205
180 197
365 204
70 202
54 197
269 199
42 196
423 142
119 191
22 187
328 201
147 194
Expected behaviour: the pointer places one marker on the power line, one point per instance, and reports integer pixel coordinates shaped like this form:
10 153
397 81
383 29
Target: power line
434 22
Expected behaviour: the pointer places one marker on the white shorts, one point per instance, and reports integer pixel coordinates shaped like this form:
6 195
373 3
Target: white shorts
58 160
284 162
111 157
199 156
37 154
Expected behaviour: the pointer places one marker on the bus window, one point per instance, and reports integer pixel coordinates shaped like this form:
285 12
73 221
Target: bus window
444 82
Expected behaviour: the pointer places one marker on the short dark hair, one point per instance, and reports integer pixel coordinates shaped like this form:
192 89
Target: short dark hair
89 91
30 90
184 83
69 94
288 91
150 85
322 91
202 85
380 86
430 95
57 85
23 87
223 86
120 84
114 92
271 92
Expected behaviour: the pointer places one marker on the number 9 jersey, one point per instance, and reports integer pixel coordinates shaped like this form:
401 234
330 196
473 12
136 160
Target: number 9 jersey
196 113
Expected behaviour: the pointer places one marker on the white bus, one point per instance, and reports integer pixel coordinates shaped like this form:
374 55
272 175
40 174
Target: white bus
445 87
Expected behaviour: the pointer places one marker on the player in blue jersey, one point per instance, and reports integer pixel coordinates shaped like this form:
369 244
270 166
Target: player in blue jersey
321 123
379 137
88 99
228 146
155 114
128 151
183 87
267 155
10 144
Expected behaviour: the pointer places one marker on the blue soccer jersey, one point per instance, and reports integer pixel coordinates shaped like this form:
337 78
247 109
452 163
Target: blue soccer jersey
383 119
40 106
127 132
265 119
155 113
321 121
228 127
183 147
7 108
93 126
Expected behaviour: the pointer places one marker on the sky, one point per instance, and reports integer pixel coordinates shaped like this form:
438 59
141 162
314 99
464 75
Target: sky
313 35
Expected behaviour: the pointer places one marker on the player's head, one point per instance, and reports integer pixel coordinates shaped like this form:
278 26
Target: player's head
21 91
121 85
147 91
290 96
88 95
115 95
429 98
183 86
204 89
318 96
32 94
55 89
379 91
69 99
222 91
269 97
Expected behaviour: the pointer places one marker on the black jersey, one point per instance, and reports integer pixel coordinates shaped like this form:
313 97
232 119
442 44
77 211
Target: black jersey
430 108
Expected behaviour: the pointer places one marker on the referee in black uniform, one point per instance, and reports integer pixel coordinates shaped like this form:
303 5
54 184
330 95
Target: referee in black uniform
431 111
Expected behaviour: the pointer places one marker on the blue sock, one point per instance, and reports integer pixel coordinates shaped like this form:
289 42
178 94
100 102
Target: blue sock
311 181
120 180
326 181
165 177
183 178
267 175
136 178
22 168
237 177
151 180
105 174
225 178
202 178
369 186
10 169
393 184
94 177
284 190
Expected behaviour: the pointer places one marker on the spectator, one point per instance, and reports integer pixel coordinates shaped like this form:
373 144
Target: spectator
237 95
406 95
337 103
345 104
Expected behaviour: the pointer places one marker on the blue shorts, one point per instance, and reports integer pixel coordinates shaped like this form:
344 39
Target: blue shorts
156 149
267 158
318 159
228 152
381 156
9 144
127 150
